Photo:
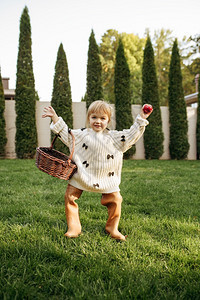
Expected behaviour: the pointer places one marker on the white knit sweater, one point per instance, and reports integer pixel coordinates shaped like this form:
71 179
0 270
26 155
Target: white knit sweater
99 155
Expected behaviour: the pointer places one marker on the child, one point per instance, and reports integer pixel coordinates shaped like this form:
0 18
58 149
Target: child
98 155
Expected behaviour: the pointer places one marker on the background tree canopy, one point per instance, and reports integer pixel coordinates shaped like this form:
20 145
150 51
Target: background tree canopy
162 41
133 49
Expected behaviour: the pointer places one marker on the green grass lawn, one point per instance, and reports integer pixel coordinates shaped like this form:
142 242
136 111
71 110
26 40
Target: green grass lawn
160 214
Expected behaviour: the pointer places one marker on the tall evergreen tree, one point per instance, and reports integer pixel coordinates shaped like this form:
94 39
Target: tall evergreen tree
153 136
178 145
94 72
133 50
122 92
61 96
3 138
26 133
198 122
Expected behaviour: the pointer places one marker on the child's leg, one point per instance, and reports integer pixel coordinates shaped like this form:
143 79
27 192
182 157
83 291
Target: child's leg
113 202
71 211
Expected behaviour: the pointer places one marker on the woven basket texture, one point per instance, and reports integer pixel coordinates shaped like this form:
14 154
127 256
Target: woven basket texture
55 163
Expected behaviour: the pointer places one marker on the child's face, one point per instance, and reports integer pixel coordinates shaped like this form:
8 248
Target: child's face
98 121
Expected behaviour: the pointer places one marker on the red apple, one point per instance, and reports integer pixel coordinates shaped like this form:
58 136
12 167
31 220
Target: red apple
147 108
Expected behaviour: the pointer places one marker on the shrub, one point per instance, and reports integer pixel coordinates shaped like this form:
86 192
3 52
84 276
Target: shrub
26 133
153 136
178 145
122 92
3 138
61 96
94 73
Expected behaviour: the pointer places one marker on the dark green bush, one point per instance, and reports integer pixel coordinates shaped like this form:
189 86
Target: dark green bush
61 96
26 133
153 136
122 92
94 73
3 138
178 145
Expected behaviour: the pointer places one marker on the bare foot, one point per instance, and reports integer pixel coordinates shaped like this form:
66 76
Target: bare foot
70 234
116 235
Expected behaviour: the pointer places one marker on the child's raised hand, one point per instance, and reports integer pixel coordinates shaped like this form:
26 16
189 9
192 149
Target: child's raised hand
50 112
146 110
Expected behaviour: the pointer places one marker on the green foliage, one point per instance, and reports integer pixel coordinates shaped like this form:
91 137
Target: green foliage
26 133
83 99
190 62
153 136
198 122
196 43
159 260
94 72
162 43
61 96
189 71
178 145
3 138
133 49
124 118
108 49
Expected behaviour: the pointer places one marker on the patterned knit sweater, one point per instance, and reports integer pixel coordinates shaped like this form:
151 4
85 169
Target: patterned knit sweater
99 155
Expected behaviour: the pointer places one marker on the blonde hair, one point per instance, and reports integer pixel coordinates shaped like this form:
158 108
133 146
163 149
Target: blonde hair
99 106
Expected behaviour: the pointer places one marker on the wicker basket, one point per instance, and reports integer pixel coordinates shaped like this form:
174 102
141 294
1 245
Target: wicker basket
55 163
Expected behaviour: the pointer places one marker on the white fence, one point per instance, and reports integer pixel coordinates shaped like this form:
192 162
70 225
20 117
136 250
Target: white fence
79 115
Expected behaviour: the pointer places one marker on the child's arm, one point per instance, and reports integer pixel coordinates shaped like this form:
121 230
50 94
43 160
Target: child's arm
58 126
50 112
126 138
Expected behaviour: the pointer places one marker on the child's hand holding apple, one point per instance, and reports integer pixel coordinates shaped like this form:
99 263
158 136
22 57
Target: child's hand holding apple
146 110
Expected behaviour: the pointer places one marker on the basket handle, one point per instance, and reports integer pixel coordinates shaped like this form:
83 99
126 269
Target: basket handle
73 140
53 142
73 144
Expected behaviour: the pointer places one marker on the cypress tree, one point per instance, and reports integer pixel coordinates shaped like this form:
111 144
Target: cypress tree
198 122
153 136
3 138
178 145
94 72
122 92
26 133
61 96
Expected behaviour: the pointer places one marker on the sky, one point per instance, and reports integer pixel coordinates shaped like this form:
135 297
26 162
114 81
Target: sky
70 22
